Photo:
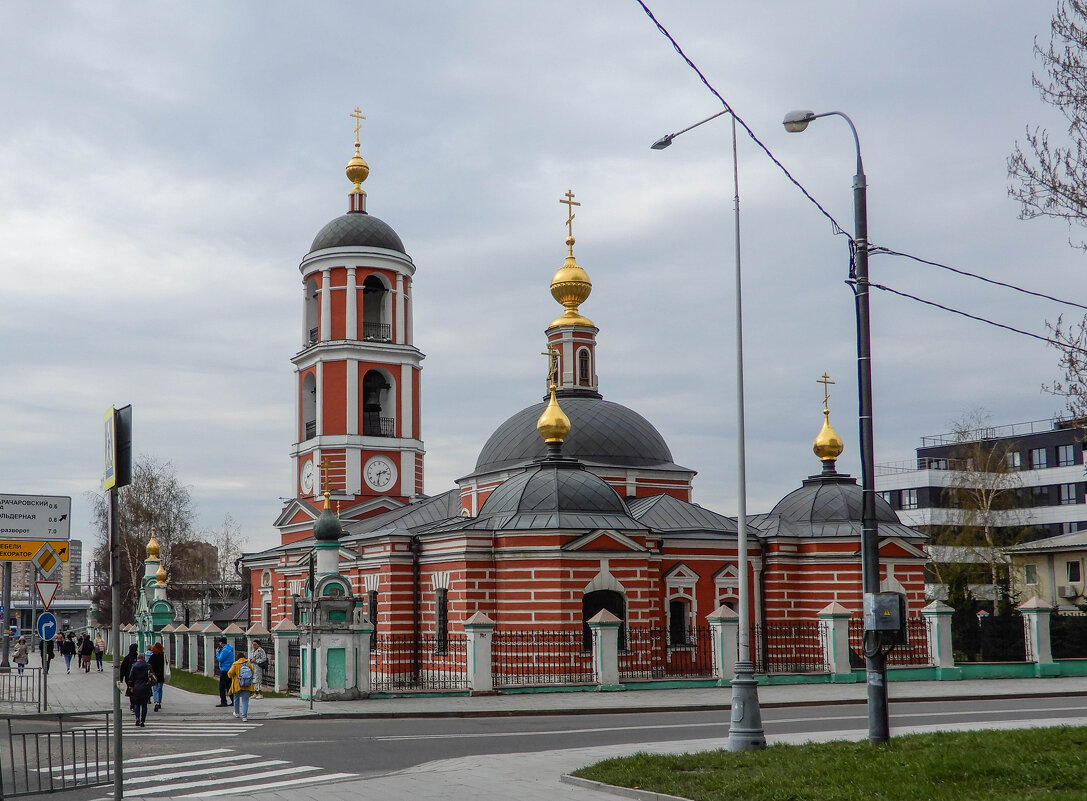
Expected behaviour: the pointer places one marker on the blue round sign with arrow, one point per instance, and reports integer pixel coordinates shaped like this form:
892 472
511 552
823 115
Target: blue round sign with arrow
47 625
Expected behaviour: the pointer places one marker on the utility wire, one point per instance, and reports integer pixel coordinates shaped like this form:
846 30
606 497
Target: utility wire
1055 343
834 223
889 252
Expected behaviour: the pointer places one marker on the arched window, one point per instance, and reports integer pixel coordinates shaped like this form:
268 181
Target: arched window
312 313
679 621
595 602
584 369
309 407
441 620
377 408
375 315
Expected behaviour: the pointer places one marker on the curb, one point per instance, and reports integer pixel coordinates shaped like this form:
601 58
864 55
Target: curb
624 792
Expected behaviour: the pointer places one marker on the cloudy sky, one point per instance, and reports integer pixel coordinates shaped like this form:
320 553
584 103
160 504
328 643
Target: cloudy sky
165 166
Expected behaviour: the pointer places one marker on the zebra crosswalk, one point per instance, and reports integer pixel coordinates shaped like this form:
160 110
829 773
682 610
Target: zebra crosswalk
214 772
174 727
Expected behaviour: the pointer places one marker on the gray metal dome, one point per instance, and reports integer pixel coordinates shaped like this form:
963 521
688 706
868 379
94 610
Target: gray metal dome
601 433
357 229
557 495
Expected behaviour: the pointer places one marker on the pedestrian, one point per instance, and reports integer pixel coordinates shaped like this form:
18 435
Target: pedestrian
141 678
99 650
224 655
20 656
126 669
157 661
45 650
67 650
241 685
86 648
259 658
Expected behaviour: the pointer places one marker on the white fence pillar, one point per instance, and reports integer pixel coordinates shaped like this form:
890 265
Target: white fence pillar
283 632
479 629
834 623
605 628
1036 613
725 629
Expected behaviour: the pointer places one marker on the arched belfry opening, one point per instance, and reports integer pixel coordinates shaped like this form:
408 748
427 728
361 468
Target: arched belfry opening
375 310
592 603
378 412
312 312
309 407
584 368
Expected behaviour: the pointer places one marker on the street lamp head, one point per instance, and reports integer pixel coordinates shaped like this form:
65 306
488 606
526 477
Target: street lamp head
663 142
797 121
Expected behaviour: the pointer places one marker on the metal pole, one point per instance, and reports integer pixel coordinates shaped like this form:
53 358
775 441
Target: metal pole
745 729
875 660
4 664
115 638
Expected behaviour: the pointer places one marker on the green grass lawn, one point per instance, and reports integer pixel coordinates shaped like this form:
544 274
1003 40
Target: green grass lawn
199 683
959 766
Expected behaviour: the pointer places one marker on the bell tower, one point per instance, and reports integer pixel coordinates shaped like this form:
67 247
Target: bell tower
357 374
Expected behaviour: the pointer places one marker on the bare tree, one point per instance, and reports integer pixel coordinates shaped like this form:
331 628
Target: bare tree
1049 179
982 493
228 542
156 499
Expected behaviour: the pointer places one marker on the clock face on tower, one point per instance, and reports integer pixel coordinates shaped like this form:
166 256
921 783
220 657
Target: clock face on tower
380 473
307 476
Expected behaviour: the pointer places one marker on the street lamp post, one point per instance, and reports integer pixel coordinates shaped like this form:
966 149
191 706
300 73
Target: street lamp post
745 728
875 659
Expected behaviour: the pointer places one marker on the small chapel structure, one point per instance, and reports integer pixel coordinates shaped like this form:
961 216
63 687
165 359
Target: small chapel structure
575 504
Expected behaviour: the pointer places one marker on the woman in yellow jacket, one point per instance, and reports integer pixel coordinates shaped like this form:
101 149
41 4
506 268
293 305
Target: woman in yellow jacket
241 675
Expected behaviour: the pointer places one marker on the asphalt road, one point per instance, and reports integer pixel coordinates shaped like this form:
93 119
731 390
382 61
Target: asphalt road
373 747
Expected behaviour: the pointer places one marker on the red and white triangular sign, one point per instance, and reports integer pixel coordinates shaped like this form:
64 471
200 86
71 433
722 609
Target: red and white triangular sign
47 591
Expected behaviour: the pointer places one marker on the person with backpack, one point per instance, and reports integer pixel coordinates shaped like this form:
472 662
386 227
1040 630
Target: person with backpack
241 685
157 661
141 678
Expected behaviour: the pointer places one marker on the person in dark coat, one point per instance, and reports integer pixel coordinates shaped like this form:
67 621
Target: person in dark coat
67 650
45 649
86 648
157 661
126 668
140 678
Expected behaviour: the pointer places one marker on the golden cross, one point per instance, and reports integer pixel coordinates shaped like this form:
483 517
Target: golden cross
825 381
552 364
358 121
570 203
326 465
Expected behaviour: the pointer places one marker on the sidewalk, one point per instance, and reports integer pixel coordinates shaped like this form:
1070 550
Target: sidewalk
81 691
530 776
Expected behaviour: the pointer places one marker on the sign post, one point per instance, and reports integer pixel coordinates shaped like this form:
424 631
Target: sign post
117 474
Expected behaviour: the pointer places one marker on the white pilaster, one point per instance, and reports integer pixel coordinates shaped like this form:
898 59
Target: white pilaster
352 331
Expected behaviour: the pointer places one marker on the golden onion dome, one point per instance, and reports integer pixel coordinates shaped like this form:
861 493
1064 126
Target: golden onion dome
827 445
571 287
357 169
160 575
553 424
152 546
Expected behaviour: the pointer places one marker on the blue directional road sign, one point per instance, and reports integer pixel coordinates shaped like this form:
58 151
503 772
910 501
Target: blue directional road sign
47 625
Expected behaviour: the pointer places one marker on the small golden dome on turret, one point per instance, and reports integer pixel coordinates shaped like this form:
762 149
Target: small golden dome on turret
152 546
827 445
553 424
160 575
571 287
357 168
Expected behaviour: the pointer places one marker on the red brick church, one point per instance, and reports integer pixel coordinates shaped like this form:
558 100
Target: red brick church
574 504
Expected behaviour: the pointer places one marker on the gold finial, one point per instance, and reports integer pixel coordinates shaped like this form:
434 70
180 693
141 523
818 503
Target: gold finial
326 466
571 286
570 203
553 424
152 546
827 445
160 576
357 168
